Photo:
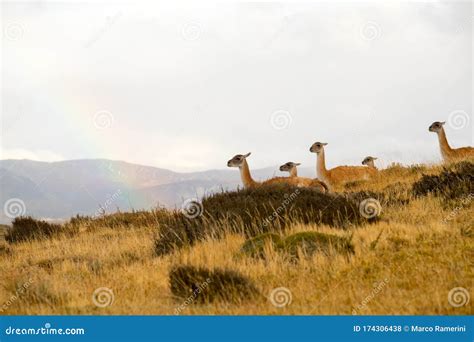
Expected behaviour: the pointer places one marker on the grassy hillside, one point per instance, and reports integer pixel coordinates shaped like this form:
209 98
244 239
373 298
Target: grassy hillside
406 260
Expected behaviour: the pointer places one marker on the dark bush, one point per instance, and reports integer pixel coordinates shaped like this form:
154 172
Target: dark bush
200 285
255 247
310 243
178 230
252 212
453 182
27 228
392 195
271 208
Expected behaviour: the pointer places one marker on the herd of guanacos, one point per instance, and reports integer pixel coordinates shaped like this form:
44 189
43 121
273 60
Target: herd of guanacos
327 179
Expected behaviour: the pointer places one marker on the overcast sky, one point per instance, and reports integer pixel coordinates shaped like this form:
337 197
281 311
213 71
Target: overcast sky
185 87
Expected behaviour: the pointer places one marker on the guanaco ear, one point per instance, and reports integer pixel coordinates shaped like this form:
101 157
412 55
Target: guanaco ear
442 123
324 144
248 154
374 158
297 164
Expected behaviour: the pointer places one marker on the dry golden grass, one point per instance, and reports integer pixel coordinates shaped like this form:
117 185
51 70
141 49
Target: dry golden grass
415 262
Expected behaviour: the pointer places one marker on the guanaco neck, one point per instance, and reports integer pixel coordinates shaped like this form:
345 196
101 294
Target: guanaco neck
443 143
293 172
247 179
321 171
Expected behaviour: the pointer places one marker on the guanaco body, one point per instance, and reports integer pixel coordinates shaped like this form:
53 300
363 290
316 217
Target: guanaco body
240 161
370 162
340 174
291 167
449 154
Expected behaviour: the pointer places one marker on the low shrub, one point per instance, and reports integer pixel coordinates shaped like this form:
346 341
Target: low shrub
310 243
255 247
28 228
453 182
200 285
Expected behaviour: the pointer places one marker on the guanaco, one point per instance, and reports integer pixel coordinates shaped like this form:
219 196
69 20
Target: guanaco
340 174
291 167
240 161
449 154
370 162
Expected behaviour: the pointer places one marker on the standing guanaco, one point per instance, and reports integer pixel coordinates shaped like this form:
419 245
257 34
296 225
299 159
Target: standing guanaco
449 154
340 174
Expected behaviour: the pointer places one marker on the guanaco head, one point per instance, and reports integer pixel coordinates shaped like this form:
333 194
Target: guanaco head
317 147
288 167
237 160
369 161
436 126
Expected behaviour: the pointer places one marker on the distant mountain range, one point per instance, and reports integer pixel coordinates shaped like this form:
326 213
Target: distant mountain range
59 190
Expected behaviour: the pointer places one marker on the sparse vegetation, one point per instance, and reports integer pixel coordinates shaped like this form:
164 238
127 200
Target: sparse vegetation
416 241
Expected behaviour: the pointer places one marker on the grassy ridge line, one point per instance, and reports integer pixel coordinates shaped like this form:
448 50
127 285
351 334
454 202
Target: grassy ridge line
422 253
